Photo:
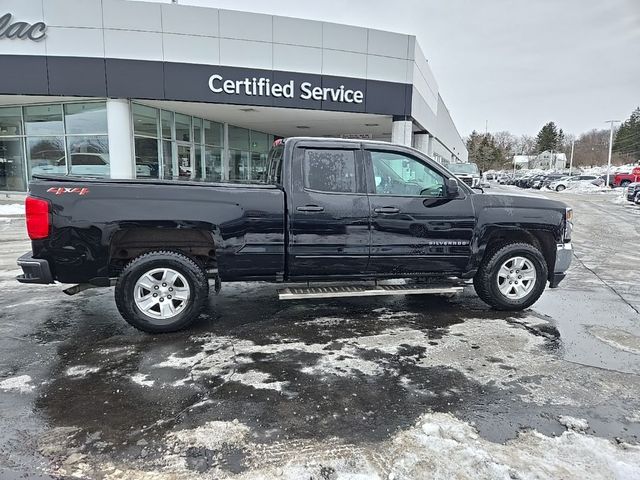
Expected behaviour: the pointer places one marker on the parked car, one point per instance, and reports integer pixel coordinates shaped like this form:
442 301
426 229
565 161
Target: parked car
624 179
569 182
552 177
87 165
633 190
330 210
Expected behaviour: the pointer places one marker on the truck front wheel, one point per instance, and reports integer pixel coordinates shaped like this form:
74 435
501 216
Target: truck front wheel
512 277
161 292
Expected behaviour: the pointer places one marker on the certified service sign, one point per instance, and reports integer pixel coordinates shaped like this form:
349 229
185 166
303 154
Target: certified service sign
264 87
21 30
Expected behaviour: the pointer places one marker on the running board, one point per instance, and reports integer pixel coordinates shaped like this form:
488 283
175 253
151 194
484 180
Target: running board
299 293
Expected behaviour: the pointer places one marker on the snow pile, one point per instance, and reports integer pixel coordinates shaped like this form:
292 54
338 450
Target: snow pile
442 446
11 209
587 187
81 371
573 423
20 384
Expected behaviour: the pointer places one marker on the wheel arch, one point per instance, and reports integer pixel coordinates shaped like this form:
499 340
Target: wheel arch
543 240
199 244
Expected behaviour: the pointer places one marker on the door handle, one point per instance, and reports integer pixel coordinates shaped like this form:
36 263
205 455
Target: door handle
310 208
386 210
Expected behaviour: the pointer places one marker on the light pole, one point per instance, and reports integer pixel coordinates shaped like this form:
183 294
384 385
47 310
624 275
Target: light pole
611 122
573 144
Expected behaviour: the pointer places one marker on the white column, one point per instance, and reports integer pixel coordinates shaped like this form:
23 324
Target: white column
121 157
401 131
225 152
430 146
422 142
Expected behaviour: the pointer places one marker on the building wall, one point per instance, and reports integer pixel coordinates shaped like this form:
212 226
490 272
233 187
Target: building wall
146 50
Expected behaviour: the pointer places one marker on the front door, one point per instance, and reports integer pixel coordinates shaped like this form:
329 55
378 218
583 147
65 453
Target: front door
185 162
415 227
329 213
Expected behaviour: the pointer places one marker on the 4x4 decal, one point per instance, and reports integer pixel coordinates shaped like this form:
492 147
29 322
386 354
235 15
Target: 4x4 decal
63 190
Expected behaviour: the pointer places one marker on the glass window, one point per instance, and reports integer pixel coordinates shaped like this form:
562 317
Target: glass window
258 166
197 130
260 142
83 118
397 174
185 162
167 125
330 170
12 176
167 160
10 122
89 155
43 120
145 120
238 138
213 133
197 159
147 164
183 128
238 165
46 156
213 164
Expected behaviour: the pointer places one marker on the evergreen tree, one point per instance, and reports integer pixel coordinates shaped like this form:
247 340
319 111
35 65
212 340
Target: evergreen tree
627 139
549 138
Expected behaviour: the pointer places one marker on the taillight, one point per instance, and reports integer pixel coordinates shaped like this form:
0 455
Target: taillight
37 212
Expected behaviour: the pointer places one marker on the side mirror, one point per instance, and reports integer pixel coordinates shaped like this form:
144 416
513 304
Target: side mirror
452 187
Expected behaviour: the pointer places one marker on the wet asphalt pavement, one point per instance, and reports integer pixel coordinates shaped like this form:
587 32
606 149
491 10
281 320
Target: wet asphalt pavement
259 383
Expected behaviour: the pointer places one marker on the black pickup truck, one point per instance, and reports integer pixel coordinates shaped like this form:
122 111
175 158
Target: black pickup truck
327 211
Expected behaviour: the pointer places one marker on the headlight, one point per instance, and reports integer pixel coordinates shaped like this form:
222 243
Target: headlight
568 224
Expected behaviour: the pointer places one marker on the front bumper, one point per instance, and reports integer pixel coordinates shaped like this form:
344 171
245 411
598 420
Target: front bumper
564 256
35 270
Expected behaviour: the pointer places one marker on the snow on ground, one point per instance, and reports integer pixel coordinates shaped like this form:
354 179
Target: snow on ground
81 371
19 384
12 209
437 446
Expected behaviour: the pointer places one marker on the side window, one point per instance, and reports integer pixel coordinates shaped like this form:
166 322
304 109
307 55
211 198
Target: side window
398 174
330 170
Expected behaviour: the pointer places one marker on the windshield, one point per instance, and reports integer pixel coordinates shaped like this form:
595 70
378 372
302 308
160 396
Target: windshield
470 168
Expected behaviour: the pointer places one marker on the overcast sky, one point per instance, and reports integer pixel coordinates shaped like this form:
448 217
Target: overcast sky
514 63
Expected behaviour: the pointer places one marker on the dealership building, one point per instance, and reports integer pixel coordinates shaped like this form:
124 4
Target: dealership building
128 89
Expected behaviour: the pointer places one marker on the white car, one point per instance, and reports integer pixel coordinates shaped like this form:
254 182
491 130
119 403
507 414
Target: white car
571 182
85 165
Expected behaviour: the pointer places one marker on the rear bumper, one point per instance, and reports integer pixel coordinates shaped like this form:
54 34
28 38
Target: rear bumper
564 255
34 270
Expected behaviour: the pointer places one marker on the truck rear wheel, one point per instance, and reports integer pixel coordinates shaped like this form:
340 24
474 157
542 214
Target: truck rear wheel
512 277
161 292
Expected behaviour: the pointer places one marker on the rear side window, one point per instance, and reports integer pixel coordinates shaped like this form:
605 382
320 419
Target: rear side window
330 170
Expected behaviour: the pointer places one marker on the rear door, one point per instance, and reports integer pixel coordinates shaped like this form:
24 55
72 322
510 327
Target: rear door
415 227
328 211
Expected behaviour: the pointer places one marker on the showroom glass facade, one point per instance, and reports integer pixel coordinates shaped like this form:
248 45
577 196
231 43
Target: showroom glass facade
59 139
173 145
71 139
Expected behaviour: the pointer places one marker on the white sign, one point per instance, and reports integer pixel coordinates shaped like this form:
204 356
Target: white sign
263 87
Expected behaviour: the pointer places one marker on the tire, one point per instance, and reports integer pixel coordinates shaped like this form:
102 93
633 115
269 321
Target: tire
560 188
489 278
170 287
625 183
